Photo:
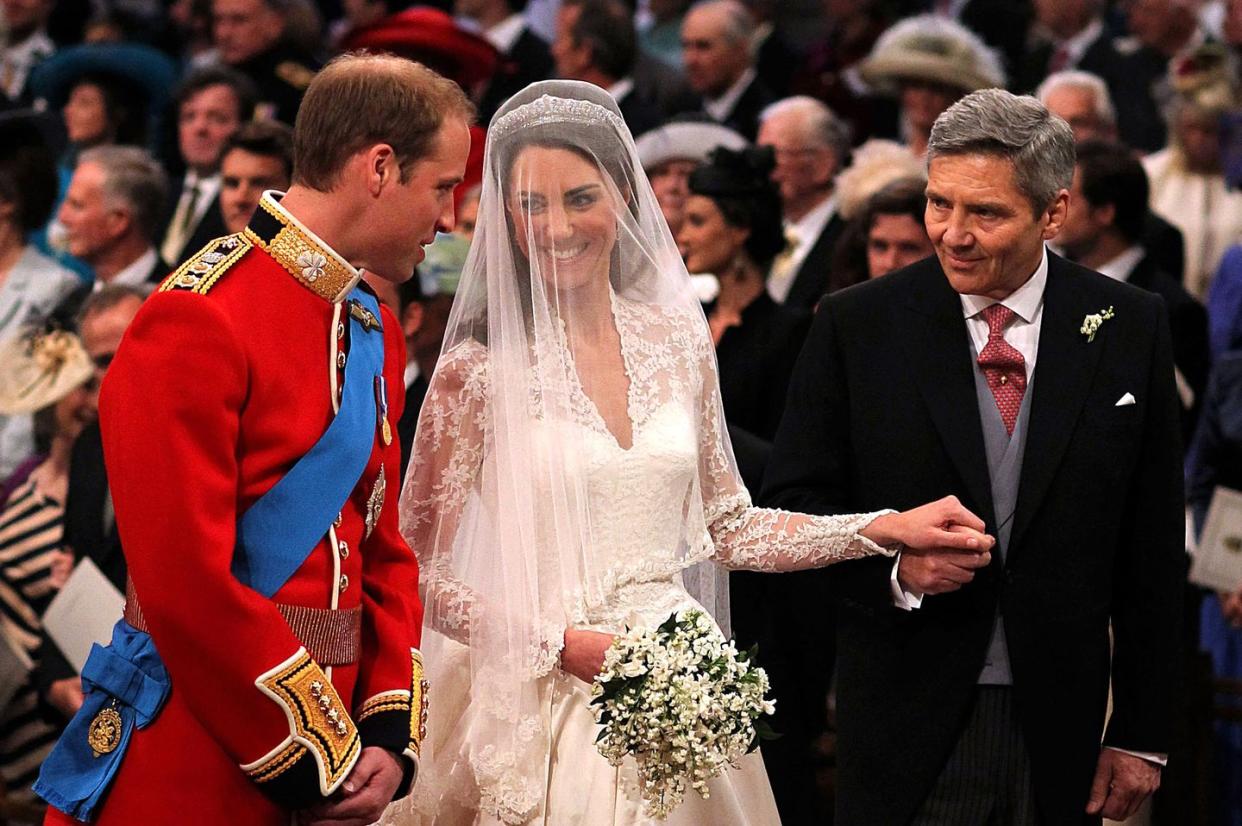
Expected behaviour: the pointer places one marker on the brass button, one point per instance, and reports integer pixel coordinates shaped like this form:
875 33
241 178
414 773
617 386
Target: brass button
343 547
340 360
344 582
340 517
1004 380
340 330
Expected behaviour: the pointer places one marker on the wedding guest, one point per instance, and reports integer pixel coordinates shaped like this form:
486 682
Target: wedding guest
1018 381
210 105
719 64
49 375
258 157
103 108
1073 34
1224 304
89 524
670 153
111 214
468 212
1216 462
255 38
596 42
732 229
886 234
927 63
1188 187
31 284
423 308
1104 230
811 145
873 166
1082 100
27 45
526 57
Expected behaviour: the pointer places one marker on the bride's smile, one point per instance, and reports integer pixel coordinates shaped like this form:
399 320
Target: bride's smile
563 215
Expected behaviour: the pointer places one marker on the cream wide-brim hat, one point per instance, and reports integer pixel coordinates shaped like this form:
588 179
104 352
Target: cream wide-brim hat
40 370
930 49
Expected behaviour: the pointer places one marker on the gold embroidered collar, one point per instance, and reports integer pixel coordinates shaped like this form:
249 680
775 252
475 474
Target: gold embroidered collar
307 258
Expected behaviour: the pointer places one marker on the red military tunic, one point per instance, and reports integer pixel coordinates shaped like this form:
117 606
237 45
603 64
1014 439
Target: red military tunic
225 379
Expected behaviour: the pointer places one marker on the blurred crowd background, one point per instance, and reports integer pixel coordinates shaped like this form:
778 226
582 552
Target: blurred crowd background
784 141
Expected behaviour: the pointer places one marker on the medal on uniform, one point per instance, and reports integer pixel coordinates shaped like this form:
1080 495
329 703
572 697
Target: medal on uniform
104 734
381 404
375 504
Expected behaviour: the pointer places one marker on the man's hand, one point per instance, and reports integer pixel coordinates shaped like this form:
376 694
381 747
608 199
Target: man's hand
363 796
939 573
66 695
1122 782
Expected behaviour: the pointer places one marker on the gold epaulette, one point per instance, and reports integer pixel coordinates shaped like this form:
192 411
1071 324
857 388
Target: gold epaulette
202 270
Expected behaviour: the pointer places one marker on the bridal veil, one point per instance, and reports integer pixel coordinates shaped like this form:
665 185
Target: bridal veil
517 536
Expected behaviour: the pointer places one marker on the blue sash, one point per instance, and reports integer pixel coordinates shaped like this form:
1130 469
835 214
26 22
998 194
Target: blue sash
274 537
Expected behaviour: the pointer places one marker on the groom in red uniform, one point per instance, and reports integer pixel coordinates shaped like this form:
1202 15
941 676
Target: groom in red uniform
268 660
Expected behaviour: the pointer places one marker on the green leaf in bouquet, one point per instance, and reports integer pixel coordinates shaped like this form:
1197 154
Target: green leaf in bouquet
763 731
669 626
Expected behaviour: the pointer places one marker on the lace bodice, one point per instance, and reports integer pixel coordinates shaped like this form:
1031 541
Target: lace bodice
642 512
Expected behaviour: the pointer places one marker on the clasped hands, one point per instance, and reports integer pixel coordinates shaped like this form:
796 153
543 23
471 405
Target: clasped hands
363 796
944 545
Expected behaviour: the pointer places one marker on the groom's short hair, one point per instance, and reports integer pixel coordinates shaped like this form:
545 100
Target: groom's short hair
360 100
1017 128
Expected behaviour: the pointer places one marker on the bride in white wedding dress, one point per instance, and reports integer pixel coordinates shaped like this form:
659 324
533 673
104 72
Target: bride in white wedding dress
571 478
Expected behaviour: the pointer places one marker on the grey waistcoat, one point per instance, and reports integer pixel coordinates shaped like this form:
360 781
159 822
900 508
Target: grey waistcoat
1004 453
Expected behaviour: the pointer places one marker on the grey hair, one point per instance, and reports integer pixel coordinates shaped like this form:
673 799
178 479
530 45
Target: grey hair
1019 129
821 123
136 180
1076 79
738 21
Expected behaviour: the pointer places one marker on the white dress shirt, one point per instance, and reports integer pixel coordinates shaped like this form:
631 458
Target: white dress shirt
1076 46
505 33
16 61
134 275
1027 303
720 108
807 231
1119 268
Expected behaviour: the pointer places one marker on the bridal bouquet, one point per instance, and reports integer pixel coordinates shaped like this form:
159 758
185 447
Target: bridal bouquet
683 702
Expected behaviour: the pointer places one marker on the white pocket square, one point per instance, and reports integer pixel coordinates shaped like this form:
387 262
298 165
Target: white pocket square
1128 398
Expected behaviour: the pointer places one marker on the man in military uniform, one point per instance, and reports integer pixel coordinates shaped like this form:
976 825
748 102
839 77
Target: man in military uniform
268 660
253 37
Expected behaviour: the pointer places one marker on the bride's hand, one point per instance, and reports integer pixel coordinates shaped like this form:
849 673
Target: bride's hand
583 654
937 526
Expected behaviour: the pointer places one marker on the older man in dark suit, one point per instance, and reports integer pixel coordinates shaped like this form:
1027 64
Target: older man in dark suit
811 145
1042 395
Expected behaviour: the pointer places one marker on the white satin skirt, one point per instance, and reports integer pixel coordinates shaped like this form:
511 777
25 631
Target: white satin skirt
583 788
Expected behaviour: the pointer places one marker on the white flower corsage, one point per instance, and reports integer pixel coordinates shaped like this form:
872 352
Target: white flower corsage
1091 324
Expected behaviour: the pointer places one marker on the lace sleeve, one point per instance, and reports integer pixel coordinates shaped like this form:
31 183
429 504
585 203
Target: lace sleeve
443 474
763 539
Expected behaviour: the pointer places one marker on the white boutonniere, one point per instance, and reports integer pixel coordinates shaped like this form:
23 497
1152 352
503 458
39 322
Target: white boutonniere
1092 323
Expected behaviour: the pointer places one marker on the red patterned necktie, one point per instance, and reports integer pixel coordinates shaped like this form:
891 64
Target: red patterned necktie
1003 366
